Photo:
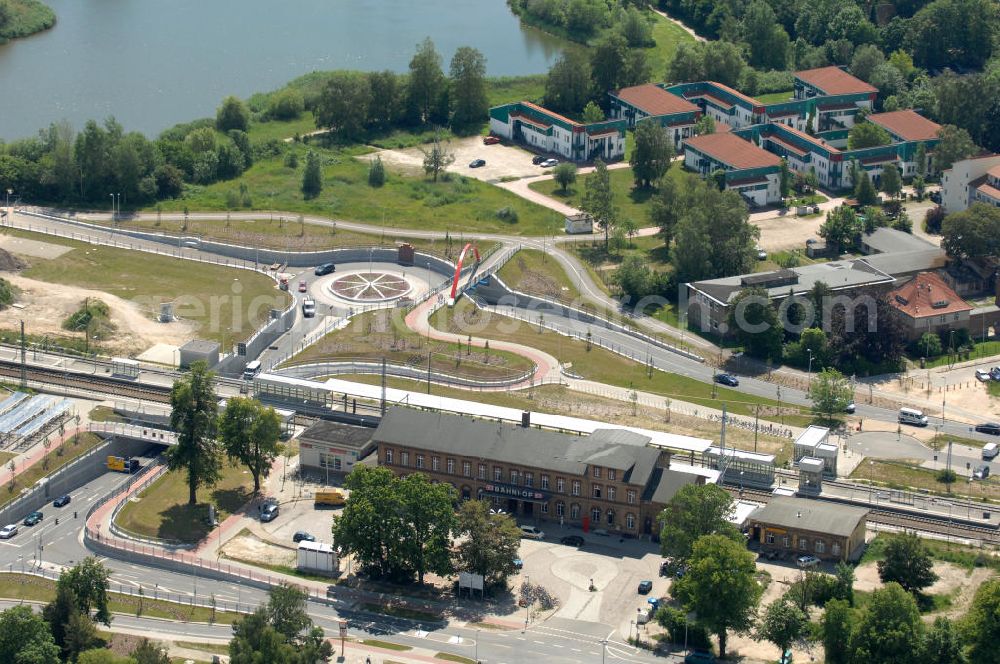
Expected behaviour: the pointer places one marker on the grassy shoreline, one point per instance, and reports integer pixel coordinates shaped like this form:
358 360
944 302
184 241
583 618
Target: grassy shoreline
28 17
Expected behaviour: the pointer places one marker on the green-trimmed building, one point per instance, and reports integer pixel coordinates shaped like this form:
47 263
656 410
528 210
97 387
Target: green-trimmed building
545 131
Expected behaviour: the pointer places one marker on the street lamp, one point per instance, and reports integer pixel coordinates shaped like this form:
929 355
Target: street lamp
604 651
810 373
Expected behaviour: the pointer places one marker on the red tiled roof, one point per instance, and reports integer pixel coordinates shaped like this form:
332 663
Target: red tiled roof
908 125
834 81
549 113
733 151
718 101
788 146
654 100
994 172
722 127
987 189
811 139
736 93
917 297
529 120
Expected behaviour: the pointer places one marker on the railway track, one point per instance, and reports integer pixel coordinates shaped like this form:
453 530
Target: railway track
88 382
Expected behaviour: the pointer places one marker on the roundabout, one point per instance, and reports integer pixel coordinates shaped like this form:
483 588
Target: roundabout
370 287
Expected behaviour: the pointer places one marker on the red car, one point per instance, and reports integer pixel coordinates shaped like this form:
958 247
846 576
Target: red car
302 286
491 140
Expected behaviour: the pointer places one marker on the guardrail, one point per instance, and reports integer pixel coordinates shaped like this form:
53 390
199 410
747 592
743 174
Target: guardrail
411 371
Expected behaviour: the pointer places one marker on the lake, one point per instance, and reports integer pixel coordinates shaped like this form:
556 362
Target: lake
153 63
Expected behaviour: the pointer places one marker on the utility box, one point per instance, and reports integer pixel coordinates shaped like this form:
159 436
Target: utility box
405 254
579 223
318 557
199 350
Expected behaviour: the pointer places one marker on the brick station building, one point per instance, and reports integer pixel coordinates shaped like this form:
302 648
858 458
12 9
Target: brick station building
613 479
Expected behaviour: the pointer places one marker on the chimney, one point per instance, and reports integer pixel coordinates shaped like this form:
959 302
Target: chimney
525 418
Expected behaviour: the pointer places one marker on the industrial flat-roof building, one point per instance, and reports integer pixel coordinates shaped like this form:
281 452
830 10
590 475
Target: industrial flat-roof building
612 479
334 448
800 526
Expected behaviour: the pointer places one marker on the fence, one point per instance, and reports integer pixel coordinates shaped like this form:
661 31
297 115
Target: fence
413 371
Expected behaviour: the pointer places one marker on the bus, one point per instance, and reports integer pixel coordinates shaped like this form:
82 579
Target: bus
330 498
251 370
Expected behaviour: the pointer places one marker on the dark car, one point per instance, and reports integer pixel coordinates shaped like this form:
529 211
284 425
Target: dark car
477 163
572 540
33 519
699 656
850 408
538 159
727 379
992 428
303 536
325 268
518 563
61 501
645 587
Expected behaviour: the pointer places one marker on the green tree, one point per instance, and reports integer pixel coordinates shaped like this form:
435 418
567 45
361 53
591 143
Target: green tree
830 393
25 638
102 655
427 83
279 632
437 158
972 233
343 105
892 181
598 200
844 588
889 629
386 107
754 321
841 228
907 562
929 344
955 145
865 192
695 511
784 179
568 84
867 135
782 624
468 89
724 63
148 652
704 125
592 113
666 209
370 527
79 634
286 610
636 29
194 416
249 433
376 172
981 625
490 542
836 627
866 59
952 33
943 644
428 519
285 105
635 279
233 114
720 586
565 175
88 580
921 159
607 62
769 43
652 154
688 63
312 176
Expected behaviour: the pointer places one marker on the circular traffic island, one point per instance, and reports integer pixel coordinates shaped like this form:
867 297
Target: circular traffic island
370 287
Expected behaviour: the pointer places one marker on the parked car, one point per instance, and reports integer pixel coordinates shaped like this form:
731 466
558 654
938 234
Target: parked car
491 140
727 379
538 159
807 561
302 286
518 563
811 240
983 376
530 532
61 501
477 163
850 408
981 472
33 519
303 536
8 531
992 428
549 163
269 510
325 268
761 254
645 587
572 540
699 656
654 604
995 373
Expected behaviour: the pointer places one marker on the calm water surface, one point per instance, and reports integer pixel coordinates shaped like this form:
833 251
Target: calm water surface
153 63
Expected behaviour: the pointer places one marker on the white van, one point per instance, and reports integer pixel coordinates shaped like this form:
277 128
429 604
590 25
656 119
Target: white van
251 370
990 450
912 416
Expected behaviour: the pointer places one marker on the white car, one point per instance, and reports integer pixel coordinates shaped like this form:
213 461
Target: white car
807 561
531 532
549 163
8 531
983 376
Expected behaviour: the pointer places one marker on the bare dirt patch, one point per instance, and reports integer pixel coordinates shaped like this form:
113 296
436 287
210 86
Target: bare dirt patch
953 580
501 160
252 549
788 232
46 306
33 248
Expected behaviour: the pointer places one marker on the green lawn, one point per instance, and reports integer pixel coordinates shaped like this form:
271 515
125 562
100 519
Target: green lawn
285 232
531 271
598 364
455 203
383 334
667 35
904 475
52 461
162 509
386 645
982 349
202 293
505 89
775 97
280 130
950 552
37 589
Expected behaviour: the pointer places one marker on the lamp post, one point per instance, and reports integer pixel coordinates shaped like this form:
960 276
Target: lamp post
810 372
9 192
112 207
477 646
604 650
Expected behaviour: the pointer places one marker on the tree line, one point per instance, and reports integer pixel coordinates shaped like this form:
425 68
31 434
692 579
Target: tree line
719 593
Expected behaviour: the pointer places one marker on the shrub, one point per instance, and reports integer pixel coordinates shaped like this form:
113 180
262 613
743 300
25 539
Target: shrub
933 219
675 622
376 173
292 159
287 104
507 214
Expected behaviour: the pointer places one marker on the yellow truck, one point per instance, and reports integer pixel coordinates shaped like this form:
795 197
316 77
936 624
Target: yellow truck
122 464
330 498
